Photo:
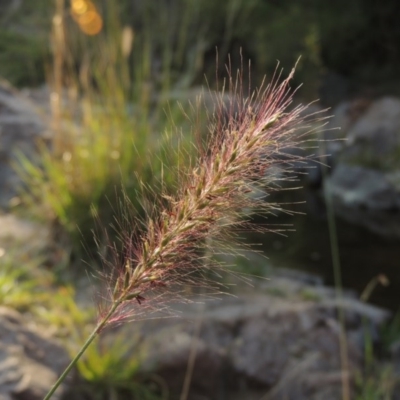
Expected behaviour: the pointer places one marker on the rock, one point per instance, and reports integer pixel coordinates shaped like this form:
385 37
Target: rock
20 126
274 342
30 362
381 121
366 197
29 237
358 187
365 175
344 116
374 140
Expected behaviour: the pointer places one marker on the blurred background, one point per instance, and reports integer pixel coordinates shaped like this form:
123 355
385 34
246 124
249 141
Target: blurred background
94 94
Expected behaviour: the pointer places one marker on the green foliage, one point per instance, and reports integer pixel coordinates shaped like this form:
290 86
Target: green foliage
23 45
377 383
29 288
84 180
285 32
64 315
22 285
110 369
378 380
310 295
390 332
359 38
21 58
356 39
111 133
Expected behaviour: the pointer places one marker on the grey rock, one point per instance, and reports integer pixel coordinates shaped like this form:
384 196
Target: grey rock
260 345
381 121
366 197
30 363
373 141
365 178
358 187
29 237
20 127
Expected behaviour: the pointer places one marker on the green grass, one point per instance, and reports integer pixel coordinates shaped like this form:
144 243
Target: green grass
377 382
114 131
111 369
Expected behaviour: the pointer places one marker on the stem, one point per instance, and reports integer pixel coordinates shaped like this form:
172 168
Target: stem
89 340
58 44
337 273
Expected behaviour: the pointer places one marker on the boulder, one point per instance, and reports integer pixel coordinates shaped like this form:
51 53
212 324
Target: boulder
365 176
358 187
30 238
380 121
30 361
273 342
20 126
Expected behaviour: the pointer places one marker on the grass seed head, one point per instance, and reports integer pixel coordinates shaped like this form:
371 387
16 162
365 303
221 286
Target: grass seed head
250 146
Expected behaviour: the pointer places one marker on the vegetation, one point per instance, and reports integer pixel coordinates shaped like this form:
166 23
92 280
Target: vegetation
112 131
24 51
247 151
115 120
111 369
356 40
20 285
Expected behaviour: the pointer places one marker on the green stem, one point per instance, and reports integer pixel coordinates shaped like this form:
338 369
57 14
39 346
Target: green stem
337 276
89 340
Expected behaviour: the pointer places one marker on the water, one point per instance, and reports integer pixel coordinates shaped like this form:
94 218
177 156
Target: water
363 255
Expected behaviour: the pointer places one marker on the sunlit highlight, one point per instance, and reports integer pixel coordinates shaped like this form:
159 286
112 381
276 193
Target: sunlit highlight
79 6
85 14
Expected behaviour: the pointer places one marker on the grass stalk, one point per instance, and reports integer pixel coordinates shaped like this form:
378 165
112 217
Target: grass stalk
58 48
251 147
337 273
82 350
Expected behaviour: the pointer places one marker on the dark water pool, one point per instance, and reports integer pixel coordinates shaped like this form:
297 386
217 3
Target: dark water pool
363 255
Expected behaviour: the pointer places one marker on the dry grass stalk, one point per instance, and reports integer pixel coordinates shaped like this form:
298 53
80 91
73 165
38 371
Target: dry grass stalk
251 145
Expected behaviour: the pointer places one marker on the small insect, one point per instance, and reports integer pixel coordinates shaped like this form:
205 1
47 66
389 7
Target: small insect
157 284
139 299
